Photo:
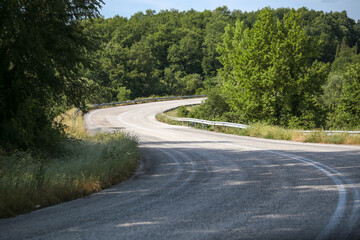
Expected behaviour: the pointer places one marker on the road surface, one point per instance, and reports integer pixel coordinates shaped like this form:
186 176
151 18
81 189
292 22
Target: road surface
195 184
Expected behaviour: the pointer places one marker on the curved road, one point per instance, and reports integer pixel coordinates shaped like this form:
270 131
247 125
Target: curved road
195 184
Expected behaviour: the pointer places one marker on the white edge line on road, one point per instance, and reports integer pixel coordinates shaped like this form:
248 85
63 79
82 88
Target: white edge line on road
342 194
341 205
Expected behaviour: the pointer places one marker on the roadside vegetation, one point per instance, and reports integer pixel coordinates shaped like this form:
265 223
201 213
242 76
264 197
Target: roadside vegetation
45 50
274 76
275 69
261 130
296 69
284 67
86 164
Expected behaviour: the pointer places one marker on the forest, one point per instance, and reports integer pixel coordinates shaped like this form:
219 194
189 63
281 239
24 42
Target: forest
292 68
286 67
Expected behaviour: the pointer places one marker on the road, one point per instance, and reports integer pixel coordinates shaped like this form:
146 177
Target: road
195 184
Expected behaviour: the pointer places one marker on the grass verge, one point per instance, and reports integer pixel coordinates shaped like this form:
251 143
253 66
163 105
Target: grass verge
277 133
86 165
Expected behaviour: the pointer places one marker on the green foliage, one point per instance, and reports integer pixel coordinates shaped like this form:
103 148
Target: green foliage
268 74
345 55
214 30
340 91
123 94
347 112
48 62
189 84
159 50
332 89
330 29
43 49
213 108
182 111
28 181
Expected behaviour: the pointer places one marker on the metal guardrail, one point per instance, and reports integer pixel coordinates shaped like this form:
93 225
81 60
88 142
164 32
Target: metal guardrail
211 123
204 123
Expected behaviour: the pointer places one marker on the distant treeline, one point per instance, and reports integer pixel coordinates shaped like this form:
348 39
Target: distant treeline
173 52
285 67
294 68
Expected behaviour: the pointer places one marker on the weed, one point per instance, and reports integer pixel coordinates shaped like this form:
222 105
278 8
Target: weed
86 165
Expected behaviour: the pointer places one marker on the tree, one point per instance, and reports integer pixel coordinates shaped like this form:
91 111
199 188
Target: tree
213 108
123 94
214 31
347 113
268 73
43 49
159 49
330 28
187 54
332 89
189 84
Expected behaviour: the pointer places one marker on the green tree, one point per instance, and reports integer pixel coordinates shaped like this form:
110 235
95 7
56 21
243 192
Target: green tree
347 112
143 76
214 31
213 108
189 84
187 54
123 94
330 29
43 49
332 89
268 73
181 43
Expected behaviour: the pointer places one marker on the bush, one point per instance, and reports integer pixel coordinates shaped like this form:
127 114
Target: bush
123 94
182 111
213 108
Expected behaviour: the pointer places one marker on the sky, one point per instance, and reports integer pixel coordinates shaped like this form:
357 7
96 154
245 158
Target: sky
126 8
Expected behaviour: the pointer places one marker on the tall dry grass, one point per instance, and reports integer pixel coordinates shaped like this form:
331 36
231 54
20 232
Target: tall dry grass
86 165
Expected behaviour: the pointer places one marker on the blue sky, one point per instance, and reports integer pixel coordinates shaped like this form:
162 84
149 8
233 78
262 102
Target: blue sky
126 8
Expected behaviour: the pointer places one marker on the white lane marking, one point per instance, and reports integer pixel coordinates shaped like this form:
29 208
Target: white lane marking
354 212
89 116
341 205
180 170
120 119
342 193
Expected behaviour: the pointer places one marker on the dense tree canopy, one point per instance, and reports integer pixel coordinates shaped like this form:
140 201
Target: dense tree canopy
174 44
43 50
347 113
269 74
272 64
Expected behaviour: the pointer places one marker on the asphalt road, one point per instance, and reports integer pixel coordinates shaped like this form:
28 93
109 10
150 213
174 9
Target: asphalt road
195 184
